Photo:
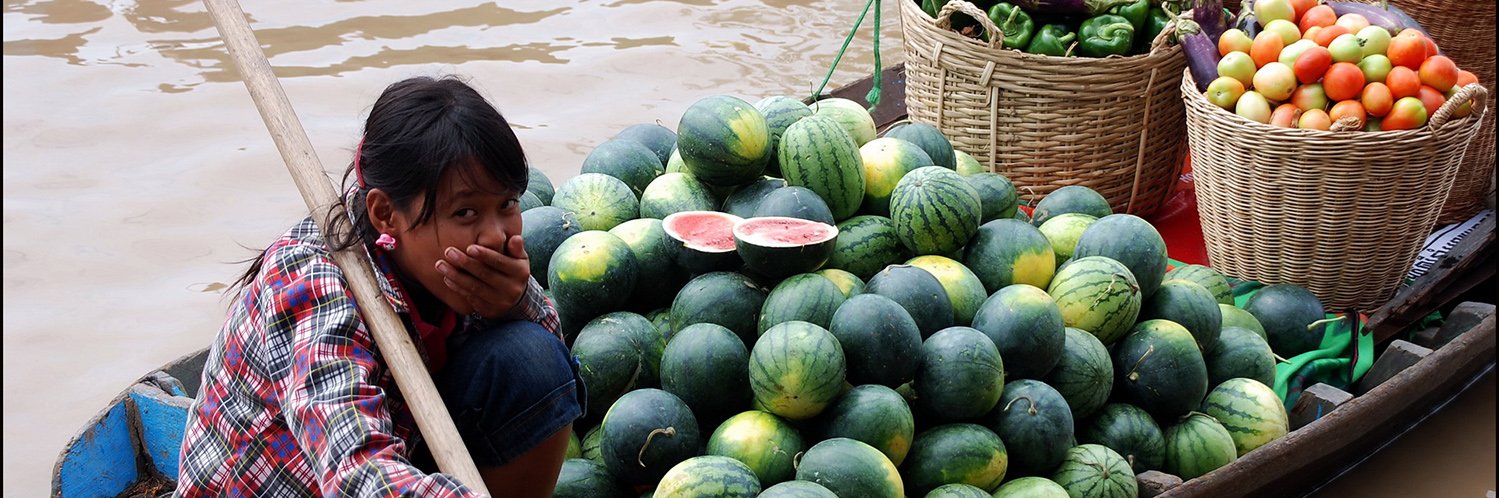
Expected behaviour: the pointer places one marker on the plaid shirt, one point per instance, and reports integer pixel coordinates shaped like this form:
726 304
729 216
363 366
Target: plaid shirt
295 399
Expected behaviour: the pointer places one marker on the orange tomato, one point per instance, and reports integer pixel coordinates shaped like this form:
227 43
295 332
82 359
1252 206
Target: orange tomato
1377 99
1321 15
1312 64
1407 114
1348 109
1432 99
1407 49
1311 33
1328 34
1266 48
1403 82
1439 72
1431 47
1300 7
1315 119
1343 81
1465 78
1285 116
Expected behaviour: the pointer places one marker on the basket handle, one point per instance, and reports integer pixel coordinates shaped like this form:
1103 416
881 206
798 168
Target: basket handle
1159 43
1474 92
944 20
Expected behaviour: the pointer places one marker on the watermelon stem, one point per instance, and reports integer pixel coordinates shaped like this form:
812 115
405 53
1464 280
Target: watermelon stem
1134 373
1031 411
668 432
1319 323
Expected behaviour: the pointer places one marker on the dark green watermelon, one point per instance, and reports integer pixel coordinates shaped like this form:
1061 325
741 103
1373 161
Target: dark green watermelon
955 453
1240 353
1208 278
921 294
1036 424
794 202
1071 199
723 141
708 367
617 353
1189 305
673 193
658 277
997 195
581 478
1031 487
1159 368
797 489
961 375
1084 375
1286 311
723 298
957 491
529 201
874 414
929 138
544 229
1026 326
880 341
539 184
1129 431
630 161
850 468
763 441
646 433
885 161
746 200
1006 252
866 245
659 139
1131 240
808 297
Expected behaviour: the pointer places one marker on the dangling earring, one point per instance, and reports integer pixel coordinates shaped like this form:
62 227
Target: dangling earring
386 242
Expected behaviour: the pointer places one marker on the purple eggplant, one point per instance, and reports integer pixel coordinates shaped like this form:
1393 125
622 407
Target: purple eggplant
1210 19
1388 17
1202 53
1087 8
1248 23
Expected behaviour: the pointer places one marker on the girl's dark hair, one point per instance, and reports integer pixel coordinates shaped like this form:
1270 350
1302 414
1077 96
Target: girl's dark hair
419 130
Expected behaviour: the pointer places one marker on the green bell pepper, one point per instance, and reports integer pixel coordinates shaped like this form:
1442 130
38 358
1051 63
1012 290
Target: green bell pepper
1105 35
1136 12
1014 23
1052 39
1153 27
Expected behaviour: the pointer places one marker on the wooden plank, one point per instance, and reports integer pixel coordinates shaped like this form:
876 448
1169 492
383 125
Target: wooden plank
101 461
163 420
1466 266
1287 466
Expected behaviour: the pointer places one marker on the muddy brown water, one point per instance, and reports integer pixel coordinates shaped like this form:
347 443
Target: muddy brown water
137 170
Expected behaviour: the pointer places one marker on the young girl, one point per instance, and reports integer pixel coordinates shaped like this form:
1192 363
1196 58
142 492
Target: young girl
296 399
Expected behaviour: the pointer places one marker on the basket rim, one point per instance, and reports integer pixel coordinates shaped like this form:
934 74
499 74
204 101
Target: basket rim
910 8
1189 91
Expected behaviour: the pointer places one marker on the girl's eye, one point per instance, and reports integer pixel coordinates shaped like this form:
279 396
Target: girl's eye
508 204
465 213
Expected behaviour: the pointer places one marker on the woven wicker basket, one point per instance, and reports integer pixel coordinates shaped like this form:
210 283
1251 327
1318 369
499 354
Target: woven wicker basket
1340 213
1465 31
1113 124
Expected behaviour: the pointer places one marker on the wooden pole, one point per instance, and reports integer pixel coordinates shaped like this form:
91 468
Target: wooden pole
318 191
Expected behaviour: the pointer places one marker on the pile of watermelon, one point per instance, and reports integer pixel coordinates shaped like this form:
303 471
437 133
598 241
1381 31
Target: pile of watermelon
775 300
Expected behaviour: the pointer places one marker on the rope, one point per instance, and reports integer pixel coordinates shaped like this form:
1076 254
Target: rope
874 92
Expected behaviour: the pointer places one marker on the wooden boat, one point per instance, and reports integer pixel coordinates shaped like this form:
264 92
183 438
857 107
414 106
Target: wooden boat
131 447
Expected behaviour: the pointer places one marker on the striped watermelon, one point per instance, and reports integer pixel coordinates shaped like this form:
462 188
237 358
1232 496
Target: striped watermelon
591 273
724 298
1085 375
1036 425
1159 368
935 211
795 202
880 340
850 468
964 290
762 441
674 164
591 441
955 453
780 111
646 433
866 245
707 366
1095 471
723 141
581 478
746 200
1031 487
674 193
1237 317
929 139
875 415
796 370
1196 445
847 282
1130 240
599 201
852 117
807 297
967 165
1006 252
957 491
817 154
617 353
658 276
1026 326
1250 411
1099 295
628 160
1071 199
1189 305
539 184
797 489
961 375
886 160
921 294
543 229
1240 353
659 139
1131 432
996 193
709 475
1063 231
1208 278
529 201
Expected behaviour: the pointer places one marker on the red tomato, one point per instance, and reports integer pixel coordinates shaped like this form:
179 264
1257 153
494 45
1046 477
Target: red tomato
1301 7
1312 64
1407 50
1432 99
1377 99
1348 109
1330 33
1343 81
1439 72
1403 82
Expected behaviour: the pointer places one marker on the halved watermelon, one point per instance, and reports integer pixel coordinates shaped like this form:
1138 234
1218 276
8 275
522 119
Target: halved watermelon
704 240
779 247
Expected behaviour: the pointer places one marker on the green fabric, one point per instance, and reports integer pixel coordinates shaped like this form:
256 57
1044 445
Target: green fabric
1342 359
1052 39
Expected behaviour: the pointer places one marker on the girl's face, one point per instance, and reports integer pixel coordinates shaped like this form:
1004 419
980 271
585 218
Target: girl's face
471 208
